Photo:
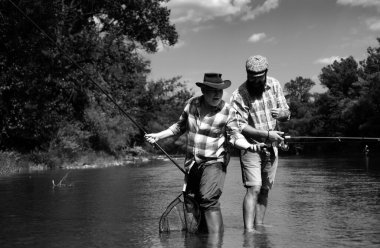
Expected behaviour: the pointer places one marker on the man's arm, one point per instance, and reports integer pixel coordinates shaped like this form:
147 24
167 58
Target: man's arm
154 137
235 137
243 144
281 113
177 128
254 133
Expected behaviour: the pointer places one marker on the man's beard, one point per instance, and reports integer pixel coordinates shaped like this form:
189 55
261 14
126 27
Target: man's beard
255 89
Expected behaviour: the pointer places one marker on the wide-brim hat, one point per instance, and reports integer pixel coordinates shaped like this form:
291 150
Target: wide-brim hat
214 80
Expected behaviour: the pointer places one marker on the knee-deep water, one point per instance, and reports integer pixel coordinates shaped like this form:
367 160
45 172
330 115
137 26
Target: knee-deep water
315 202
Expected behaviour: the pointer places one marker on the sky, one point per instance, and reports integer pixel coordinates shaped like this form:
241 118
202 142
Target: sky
298 37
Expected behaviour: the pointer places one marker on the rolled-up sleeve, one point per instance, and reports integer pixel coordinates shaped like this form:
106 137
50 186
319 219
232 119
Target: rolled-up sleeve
233 130
241 110
281 100
179 127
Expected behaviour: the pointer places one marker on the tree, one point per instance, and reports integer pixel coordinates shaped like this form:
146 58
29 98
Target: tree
300 103
368 109
299 89
350 107
39 86
298 95
335 106
340 77
168 98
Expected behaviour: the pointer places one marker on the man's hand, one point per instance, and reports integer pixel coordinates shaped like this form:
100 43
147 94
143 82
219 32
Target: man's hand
152 137
260 146
279 114
275 136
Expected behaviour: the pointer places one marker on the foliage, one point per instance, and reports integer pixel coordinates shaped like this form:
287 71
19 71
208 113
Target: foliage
350 106
168 100
9 162
47 99
51 104
299 96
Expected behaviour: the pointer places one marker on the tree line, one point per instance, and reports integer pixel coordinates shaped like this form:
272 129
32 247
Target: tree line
48 103
349 107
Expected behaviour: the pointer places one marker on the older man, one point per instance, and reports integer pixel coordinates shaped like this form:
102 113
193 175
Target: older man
210 124
259 103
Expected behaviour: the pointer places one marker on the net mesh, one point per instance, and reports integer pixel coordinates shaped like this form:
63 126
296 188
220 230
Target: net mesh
182 214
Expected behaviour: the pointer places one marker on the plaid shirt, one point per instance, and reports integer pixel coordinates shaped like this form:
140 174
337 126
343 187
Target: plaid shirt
256 111
206 138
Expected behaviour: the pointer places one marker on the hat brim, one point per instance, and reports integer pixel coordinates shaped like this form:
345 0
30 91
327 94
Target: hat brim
220 86
256 74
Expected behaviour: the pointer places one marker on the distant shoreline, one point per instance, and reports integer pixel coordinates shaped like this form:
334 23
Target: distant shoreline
12 163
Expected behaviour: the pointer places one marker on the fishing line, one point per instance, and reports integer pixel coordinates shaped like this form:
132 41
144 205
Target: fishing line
287 137
63 52
321 140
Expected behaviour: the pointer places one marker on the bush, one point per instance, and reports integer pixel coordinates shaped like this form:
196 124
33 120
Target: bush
9 162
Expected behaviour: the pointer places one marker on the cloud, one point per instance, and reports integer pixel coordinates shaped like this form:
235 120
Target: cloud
199 28
362 3
198 11
256 37
328 61
267 6
161 47
373 24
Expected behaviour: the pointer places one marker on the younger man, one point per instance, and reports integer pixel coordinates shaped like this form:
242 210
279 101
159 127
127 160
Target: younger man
259 103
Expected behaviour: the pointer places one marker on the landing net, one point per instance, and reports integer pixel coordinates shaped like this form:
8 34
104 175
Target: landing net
182 214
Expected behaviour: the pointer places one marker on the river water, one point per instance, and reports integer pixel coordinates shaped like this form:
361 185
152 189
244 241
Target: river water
315 202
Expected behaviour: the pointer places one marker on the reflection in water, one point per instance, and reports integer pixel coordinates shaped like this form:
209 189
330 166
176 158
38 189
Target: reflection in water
214 240
366 158
191 240
315 202
257 239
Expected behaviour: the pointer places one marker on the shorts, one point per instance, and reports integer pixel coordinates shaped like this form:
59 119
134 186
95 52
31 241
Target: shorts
259 168
206 183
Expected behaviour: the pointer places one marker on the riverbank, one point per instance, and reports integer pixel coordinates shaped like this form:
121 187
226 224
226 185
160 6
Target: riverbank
13 162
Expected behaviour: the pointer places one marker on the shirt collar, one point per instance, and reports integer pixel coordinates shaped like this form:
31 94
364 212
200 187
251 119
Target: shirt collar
269 84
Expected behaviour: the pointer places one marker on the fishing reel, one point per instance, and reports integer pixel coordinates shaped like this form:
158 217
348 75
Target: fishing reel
283 146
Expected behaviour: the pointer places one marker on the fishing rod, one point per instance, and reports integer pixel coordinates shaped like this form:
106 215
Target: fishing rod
337 138
63 52
283 145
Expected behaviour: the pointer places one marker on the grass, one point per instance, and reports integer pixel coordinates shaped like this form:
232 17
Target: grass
13 162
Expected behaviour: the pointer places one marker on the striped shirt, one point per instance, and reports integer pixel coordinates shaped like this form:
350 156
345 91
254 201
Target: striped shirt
256 111
207 138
